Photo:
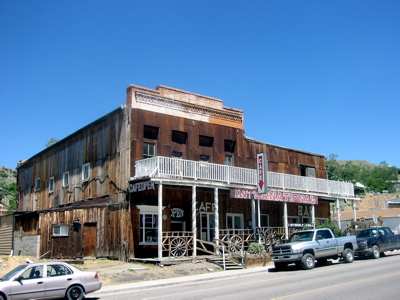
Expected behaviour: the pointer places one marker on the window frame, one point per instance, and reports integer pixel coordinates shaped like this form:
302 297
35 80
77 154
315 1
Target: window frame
51 185
65 179
85 175
143 236
63 230
147 154
37 184
228 160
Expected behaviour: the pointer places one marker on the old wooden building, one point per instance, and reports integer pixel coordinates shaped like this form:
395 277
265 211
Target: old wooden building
171 173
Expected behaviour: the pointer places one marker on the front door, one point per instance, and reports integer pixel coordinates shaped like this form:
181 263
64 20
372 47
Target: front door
89 239
207 226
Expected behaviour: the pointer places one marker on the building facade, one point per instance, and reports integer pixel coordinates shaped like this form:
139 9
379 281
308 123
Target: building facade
171 173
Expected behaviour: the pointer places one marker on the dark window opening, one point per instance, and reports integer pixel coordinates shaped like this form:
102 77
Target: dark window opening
179 137
204 157
150 132
229 146
206 141
307 171
176 154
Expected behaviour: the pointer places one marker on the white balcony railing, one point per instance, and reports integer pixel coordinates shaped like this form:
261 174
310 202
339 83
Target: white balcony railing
166 167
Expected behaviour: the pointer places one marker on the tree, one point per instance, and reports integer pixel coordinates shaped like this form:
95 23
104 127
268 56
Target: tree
376 178
51 141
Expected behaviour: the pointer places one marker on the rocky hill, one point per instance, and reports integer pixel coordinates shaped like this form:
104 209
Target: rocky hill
7 176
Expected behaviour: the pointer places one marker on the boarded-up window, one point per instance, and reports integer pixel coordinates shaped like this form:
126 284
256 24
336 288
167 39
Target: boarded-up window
307 171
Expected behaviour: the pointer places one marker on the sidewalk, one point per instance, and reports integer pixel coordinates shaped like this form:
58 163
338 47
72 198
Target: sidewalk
170 281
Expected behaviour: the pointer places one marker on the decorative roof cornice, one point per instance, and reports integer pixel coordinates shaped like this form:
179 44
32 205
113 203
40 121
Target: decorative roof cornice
190 108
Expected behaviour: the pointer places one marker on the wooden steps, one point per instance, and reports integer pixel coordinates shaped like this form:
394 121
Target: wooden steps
229 264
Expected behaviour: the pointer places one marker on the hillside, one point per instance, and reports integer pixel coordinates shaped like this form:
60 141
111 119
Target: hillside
7 176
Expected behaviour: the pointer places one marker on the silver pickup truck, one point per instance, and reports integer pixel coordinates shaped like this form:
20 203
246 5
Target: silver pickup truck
304 247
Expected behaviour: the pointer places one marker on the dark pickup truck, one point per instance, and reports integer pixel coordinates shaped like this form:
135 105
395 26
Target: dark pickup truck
374 241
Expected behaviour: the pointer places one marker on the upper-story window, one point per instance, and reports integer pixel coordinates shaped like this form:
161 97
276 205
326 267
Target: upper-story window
65 179
51 184
179 137
206 141
150 132
228 160
229 146
37 184
86 172
148 150
307 171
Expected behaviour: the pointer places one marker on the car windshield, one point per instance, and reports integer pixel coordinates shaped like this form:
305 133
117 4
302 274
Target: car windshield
301 237
12 273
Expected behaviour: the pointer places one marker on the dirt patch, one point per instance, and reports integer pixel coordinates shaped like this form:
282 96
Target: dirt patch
118 272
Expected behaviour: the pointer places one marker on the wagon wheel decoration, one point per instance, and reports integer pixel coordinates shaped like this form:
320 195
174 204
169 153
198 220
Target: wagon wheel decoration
178 247
236 243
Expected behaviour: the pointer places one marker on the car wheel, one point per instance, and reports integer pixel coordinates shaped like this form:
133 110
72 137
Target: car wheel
74 293
348 255
307 261
375 252
2 297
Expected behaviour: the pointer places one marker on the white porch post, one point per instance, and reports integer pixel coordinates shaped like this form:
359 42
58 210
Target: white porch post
216 213
194 223
160 220
313 215
259 218
338 213
354 210
253 214
285 222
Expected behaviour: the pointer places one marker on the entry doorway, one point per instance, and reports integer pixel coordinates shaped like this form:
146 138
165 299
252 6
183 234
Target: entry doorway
89 239
207 226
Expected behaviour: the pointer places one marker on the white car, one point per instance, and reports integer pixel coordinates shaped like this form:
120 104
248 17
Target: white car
48 280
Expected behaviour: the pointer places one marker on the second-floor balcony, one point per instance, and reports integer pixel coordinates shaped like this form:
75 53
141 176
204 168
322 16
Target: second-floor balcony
175 168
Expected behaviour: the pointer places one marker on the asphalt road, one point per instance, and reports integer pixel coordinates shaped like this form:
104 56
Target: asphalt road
363 279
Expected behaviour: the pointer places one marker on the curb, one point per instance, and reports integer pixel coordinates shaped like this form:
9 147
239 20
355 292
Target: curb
177 280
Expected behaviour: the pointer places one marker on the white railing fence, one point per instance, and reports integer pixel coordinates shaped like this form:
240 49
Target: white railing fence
166 167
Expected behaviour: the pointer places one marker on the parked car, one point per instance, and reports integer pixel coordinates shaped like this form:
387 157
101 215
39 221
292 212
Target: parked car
48 280
374 241
305 247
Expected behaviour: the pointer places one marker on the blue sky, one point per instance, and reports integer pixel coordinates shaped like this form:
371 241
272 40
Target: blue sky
319 76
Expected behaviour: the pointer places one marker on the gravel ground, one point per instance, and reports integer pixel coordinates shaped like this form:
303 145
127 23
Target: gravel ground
118 272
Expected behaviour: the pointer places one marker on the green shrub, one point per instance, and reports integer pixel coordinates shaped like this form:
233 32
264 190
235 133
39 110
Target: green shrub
255 248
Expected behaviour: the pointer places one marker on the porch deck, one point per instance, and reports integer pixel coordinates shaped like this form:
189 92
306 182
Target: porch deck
179 169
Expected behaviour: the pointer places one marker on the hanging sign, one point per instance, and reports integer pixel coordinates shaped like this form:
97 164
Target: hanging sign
262 168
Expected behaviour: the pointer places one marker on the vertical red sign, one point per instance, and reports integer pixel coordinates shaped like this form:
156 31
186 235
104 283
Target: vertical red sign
262 173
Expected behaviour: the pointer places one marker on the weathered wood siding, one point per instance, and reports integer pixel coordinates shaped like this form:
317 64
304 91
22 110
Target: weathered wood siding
6 234
114 236
103 144
280 159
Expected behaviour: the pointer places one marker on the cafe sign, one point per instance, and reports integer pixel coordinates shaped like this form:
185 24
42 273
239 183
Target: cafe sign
141 186
274 196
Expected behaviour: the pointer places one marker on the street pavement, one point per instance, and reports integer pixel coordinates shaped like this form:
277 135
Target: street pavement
170 281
